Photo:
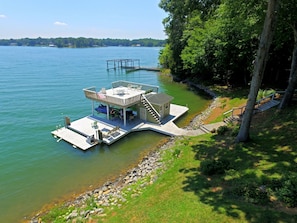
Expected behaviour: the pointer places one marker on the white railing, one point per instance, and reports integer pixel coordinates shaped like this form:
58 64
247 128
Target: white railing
232 111
145 87
151 106
93 95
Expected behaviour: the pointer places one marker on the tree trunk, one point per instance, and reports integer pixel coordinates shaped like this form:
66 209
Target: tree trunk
293 75
259 68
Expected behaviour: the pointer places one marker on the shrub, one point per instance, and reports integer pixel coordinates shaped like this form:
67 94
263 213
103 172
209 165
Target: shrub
222 130
176 152
287 193
235 130
264 93
211 167
253 193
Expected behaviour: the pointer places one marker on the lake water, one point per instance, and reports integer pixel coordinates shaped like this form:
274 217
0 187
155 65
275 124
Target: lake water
38 87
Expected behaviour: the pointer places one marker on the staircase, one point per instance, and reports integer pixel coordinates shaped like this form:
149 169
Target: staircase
232 119
148 106
235 114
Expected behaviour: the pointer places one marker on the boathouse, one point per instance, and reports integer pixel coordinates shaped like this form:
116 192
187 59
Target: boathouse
125 107
129 100
160 102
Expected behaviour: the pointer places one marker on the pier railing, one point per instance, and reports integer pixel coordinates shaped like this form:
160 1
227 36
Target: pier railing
92 94
145 87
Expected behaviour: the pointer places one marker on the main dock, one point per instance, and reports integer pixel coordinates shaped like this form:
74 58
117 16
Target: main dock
113 130
126 107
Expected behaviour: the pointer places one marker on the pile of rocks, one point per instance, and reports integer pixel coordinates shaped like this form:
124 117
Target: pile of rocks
198 120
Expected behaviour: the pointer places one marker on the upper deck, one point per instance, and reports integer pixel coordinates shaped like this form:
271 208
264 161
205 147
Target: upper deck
122 93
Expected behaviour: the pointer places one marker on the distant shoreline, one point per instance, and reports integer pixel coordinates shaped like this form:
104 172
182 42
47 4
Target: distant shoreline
82 42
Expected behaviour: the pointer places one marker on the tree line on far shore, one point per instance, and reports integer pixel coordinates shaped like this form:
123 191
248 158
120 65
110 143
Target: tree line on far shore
81 42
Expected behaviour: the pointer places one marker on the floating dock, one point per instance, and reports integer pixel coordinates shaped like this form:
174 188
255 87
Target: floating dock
124 108
113 130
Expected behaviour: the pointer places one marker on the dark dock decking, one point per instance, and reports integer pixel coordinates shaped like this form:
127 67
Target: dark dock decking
122 63
130 65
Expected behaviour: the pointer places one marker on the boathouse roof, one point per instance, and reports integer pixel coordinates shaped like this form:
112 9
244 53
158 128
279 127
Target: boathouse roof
159 99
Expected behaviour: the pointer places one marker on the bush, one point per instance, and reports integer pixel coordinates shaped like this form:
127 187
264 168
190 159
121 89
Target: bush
264 93
211 167
235 130
222 130
287 193
176 152
253 193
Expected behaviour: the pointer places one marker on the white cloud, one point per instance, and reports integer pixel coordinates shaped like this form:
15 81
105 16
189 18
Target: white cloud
2 16
60 23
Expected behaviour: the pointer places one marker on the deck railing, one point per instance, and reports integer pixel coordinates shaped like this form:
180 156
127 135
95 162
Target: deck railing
92 94
232 112
145 87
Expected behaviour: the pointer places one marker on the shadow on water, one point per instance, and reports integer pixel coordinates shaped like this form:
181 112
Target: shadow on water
243 190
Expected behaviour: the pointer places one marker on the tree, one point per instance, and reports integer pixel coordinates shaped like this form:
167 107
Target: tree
288 9
179 14
221 46
259 68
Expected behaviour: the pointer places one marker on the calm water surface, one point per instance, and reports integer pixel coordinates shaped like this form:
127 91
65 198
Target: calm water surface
38 87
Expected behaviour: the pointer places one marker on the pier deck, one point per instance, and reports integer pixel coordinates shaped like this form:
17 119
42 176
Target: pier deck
113 130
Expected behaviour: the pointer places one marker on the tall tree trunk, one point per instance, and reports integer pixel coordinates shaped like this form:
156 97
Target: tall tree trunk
293 75
259 68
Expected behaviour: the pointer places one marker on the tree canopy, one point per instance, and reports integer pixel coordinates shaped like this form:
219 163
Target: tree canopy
217 40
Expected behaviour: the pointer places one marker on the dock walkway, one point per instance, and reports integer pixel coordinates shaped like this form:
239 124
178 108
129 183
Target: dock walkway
113 130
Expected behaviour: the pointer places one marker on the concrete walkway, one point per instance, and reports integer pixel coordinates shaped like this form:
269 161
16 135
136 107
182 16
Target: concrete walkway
172 130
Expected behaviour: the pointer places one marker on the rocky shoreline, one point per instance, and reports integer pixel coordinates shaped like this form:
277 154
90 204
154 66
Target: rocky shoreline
115 193
198 120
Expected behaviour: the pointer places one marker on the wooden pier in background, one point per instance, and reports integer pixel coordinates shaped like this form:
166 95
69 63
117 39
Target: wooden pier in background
122 64
130 65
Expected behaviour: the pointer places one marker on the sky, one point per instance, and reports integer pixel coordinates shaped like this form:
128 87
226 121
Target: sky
122 19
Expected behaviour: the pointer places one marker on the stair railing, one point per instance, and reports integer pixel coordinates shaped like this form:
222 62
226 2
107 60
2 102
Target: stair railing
151 106
227 113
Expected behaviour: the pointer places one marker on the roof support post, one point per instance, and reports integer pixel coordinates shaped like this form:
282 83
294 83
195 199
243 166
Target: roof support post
125 116
107 111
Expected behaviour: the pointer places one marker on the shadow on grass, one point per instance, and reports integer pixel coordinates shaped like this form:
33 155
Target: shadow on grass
245 189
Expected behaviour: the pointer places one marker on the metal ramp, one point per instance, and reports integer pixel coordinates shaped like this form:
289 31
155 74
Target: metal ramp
268 105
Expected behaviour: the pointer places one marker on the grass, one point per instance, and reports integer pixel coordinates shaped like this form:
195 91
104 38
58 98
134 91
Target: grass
209 178
184 194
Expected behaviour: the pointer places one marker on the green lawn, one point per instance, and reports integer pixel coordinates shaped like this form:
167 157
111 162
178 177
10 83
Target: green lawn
242 189
209 178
